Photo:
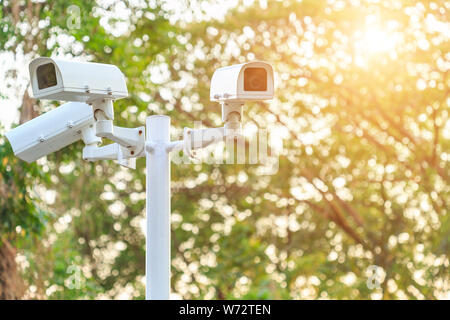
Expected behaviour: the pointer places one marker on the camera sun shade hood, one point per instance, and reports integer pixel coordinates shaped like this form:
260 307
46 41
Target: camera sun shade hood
50 131
227 83
79 81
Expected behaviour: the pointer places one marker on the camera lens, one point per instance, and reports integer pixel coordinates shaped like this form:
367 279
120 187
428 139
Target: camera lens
46 76
255 79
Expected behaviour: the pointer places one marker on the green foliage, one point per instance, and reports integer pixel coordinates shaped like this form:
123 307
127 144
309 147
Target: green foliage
363 178
18 201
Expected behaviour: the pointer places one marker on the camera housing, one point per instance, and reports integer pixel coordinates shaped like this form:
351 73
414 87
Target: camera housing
241 82
76 81
53 131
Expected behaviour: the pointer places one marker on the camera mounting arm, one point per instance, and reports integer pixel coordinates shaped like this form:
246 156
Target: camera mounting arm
130 138
232 111
129 144
194 139
113 151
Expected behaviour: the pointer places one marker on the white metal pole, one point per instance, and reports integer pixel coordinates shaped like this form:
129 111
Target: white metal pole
157 261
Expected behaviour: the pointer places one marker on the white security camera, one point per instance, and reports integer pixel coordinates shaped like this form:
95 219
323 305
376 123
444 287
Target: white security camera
53 131
76 81
233 85
241 82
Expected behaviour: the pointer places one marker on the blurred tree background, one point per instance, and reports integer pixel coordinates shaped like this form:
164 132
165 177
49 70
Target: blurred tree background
361 195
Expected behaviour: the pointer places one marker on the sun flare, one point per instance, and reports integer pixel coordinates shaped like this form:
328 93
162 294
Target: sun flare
376 40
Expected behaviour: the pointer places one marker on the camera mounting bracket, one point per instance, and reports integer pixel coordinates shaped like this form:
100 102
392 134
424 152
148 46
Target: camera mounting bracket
113 151
231 109
129 142
130 138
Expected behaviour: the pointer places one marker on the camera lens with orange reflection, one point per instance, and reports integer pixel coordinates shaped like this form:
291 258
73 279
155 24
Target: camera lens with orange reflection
255 79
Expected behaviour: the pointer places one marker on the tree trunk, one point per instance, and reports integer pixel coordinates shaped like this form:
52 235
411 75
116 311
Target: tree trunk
11 284
27 111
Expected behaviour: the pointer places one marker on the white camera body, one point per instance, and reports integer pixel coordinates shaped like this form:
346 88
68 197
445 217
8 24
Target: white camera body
53 131
241 82
56 79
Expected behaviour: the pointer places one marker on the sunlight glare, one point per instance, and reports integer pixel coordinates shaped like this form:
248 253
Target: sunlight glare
375 40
